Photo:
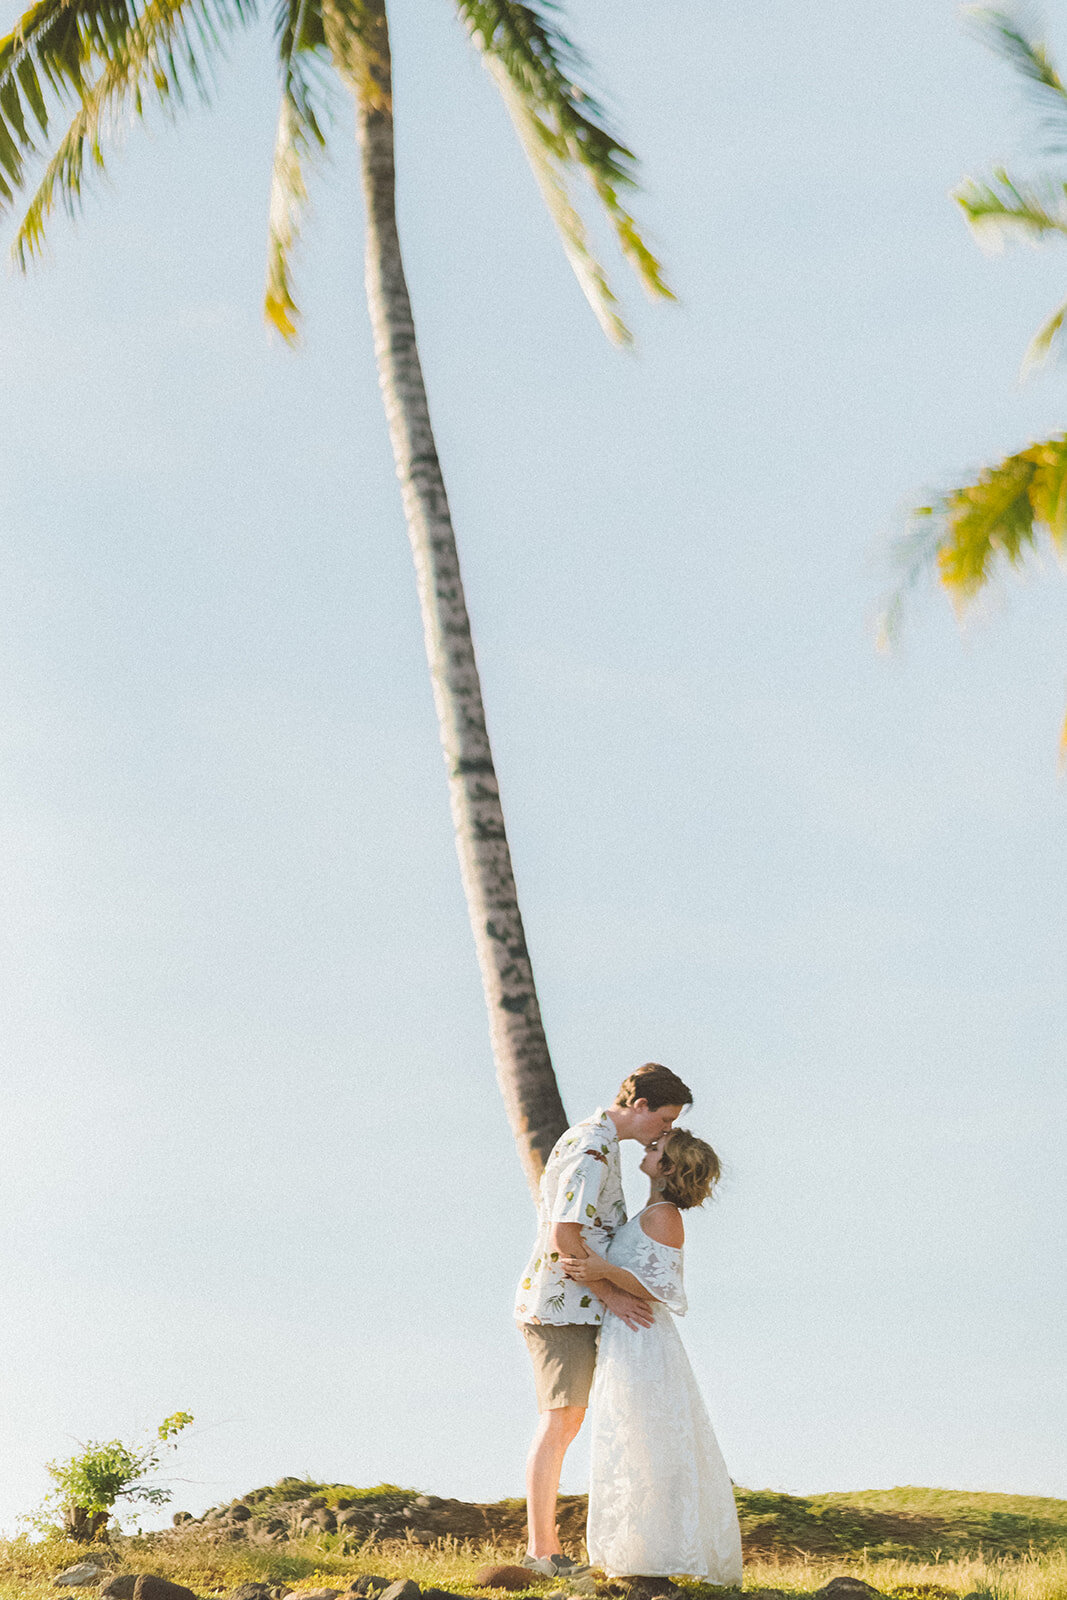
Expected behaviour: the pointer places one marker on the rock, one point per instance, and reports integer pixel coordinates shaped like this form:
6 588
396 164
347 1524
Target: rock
504 1577
258 1534
149 1587
368 1584
441 1594
313 1594
846 1588
403 1589
347 1516
325 1519
240 1512
253 1591
181 1516
119 1587
74 1577
428 1502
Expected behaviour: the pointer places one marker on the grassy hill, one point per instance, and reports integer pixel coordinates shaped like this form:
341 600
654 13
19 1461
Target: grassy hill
903 1524
907 1543
906 1523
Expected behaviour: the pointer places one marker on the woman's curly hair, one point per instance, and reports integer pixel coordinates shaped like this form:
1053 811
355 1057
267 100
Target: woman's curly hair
689 1169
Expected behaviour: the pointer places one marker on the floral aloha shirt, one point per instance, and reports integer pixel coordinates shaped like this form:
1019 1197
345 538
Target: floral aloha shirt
582 1183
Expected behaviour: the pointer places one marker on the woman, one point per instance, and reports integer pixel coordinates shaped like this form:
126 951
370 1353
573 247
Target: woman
660 1498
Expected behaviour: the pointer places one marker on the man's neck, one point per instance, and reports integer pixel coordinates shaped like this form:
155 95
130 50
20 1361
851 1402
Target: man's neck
620 1117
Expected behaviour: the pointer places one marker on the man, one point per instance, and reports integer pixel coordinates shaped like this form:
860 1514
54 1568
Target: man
580 1206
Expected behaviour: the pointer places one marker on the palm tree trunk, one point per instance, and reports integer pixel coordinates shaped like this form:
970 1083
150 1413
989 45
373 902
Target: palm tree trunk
524 1069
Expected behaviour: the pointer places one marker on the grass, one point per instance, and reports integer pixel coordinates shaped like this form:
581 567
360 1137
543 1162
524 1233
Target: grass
333 1494
909 1523
999 1547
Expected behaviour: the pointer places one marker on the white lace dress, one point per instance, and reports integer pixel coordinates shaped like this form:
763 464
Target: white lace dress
660 1497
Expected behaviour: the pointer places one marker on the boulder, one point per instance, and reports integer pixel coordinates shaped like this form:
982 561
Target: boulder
403 1589
504 1577
75 1576
119 1586
253 1591
240 1512
325 1518
181 1516
85 1572
847 1588
149 1587
368 1584
347 1516
649 1588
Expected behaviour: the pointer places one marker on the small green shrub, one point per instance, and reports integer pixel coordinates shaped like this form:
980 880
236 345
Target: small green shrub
88 1485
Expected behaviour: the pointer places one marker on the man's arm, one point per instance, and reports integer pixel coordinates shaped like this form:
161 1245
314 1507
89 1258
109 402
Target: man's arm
631 1308
627 1307
594 1271
566 1238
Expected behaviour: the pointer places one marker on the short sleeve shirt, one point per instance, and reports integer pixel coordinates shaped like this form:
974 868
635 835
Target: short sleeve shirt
582 1182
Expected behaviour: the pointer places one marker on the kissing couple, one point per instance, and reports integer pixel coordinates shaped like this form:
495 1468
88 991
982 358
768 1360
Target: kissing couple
595 1307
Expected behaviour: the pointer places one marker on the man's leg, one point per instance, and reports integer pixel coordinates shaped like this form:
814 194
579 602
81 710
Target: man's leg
555 1431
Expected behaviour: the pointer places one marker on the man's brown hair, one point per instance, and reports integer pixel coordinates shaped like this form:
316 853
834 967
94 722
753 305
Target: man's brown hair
658 1085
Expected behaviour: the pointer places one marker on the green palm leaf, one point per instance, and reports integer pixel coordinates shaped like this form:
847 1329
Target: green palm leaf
109 56
565 135
1003 208
300 137
1011 36
998 520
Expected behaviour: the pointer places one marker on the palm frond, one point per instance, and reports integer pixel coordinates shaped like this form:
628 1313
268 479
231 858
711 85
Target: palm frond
998 210
551 180
300 137
1004 208
108 57
565 134
1013 37
997 520
1045 340
914 556
1011 209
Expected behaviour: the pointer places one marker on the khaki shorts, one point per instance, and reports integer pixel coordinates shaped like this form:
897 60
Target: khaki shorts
563 1358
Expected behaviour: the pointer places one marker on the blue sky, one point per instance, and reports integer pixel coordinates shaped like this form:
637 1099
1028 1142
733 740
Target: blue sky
256 1165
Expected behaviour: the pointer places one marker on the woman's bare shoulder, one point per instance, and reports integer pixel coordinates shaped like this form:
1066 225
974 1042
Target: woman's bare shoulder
664 1224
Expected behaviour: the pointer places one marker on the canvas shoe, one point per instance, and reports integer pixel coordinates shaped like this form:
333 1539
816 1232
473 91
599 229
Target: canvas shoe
556 1566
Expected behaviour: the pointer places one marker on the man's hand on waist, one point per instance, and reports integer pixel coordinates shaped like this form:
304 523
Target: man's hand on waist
627 1307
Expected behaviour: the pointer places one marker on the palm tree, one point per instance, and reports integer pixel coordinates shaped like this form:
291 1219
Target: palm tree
968 534
105 57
